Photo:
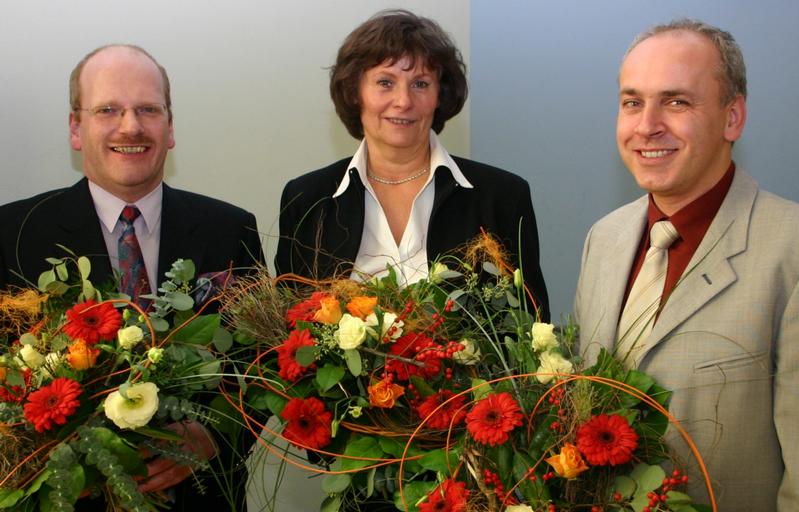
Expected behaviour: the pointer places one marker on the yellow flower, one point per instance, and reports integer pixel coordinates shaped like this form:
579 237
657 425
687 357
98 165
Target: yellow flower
437 271
155 354
519 508
329 311
361 306
568 463
469 355
31 357
82 356
552 366
351 332
544 338
384 394
129 337
135 411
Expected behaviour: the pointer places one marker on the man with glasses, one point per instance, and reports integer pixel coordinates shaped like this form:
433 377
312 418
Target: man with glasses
121 121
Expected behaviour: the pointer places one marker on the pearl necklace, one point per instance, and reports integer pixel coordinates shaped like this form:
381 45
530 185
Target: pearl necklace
395 182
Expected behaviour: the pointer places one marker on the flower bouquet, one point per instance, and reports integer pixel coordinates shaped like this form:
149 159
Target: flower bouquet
89 383
448 395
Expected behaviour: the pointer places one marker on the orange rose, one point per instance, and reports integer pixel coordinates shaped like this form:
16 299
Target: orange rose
362 306
568 463
82 356
329 311
384 394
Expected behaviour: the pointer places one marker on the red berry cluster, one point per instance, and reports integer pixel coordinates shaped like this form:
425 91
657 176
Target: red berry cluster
556 395
492 480
659 495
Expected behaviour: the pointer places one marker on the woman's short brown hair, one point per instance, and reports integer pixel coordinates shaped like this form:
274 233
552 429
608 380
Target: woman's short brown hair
389 36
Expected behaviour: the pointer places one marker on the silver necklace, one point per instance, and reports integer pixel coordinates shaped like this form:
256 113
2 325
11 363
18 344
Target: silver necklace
395 182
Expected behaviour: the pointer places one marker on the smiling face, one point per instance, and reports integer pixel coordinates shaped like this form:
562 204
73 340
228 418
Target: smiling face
398 104
123 155
673 132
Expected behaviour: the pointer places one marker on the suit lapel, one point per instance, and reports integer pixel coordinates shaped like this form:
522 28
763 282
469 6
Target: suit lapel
345 230
615 270
178 225
444 187
78 229
710 271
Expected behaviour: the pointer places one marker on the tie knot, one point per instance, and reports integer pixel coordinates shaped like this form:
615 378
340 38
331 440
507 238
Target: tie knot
129 214
663 234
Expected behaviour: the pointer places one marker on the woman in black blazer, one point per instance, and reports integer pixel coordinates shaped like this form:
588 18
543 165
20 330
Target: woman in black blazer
402 199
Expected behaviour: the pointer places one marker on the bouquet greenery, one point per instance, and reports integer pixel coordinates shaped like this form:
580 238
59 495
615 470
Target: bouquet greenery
449 395
89 383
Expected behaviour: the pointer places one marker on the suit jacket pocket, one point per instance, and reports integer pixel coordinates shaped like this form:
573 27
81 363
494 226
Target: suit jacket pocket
739 360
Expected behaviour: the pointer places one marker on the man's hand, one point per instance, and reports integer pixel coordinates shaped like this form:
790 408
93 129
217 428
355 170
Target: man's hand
163 473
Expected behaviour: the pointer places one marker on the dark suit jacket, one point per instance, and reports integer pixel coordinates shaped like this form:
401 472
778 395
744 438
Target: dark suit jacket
212 233
320 235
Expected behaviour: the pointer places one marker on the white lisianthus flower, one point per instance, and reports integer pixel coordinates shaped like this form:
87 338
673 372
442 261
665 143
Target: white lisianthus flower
469 355
389 320
351 332
435 272
155 354
129 337
31 357
544 338
519 508
552 363
135 411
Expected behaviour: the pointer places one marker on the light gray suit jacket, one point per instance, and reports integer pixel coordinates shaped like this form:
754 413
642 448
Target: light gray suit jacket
726 341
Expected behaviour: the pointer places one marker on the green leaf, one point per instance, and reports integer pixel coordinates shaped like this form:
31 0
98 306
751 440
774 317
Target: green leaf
45 278
222 340
328 376
482 391
9 497
54 261
159 433
179 300
414 492
624 485
88 289
84 267
159 324
422 386
272 402
182 271
62 272
331 504
128 456
305 356
358 448
436 460
648 477
490 268
678 498
224 414
354 363
370 482
200 331
334 484
391 446
56 288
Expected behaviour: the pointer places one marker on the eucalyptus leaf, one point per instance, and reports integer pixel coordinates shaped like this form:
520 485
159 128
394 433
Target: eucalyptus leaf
490 268
624 485
88 289
62 272
159 324
331 504
45 278
179 300
54 261
677 498
370 482
128 456
56 288
84 267
650 478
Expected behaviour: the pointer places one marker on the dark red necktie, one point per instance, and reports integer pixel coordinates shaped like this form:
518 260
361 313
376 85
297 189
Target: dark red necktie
131 262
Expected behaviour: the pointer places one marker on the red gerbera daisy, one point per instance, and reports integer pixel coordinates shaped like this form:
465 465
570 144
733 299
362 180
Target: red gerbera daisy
14 394
444 416
607 440
290 369
92 322
308 423
450 496
52 404
492 418
415 346
305 310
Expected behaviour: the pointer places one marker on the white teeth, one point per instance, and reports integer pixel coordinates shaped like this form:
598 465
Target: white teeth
130 149
400 121
656 154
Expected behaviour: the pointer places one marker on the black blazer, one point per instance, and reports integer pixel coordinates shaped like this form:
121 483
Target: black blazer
320 235
212 233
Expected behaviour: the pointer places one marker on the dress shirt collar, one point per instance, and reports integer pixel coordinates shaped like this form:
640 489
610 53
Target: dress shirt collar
109 207
439 157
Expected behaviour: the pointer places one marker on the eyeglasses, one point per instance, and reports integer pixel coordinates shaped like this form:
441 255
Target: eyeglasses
112 112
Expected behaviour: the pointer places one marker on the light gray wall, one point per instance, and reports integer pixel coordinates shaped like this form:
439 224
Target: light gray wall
544 96
249 87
